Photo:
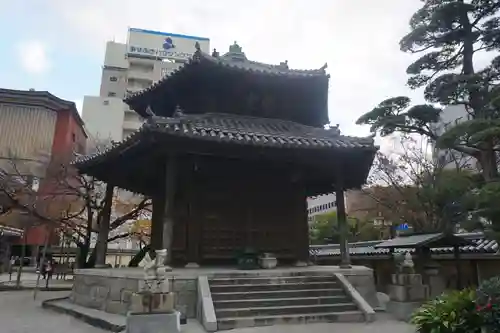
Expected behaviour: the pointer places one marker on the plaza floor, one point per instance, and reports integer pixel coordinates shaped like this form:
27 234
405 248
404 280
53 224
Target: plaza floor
19 313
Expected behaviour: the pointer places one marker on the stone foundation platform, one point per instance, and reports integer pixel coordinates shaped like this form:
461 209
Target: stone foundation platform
110 289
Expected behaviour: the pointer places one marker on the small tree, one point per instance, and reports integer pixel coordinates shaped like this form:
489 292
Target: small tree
325 229
413 187
101 210
75 204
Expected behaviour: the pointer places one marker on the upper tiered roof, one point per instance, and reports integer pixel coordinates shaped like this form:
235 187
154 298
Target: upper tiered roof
236 62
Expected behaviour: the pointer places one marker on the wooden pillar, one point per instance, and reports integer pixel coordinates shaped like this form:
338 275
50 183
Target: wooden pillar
456 252
193 221
301 222
345 261
157 222
168 209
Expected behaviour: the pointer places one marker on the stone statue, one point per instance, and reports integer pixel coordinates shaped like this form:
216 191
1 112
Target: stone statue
408 262
408 266
155 272
398 261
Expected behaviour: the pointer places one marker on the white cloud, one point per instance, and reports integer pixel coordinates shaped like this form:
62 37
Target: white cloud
359 39
33 57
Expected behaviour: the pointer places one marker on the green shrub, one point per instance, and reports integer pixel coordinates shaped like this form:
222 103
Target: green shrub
488 304
451 312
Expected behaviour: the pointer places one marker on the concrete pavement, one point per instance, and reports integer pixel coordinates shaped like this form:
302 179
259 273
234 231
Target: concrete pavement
19 313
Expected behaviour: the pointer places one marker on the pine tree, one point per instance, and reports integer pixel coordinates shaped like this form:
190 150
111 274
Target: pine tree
449 35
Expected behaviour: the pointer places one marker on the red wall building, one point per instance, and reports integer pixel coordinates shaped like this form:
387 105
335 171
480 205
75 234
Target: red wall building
37 123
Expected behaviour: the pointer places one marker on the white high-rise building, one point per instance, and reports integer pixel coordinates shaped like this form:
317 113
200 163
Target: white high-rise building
450 159
320 204
144 59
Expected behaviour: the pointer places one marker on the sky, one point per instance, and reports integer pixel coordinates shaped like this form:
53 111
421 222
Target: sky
58 45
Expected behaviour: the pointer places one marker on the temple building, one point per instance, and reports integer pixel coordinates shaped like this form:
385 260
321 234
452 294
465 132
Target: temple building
229 152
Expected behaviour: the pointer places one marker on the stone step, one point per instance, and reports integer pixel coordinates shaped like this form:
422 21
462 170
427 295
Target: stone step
271 280
272 287
284 310
326 317
250 303
297 293
269 273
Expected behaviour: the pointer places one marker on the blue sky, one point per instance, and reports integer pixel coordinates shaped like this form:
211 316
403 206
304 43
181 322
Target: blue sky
58 45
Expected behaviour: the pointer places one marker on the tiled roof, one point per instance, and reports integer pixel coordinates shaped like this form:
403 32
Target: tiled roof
480 245
243 130
256 131
259 67
229 62
43 98
419 240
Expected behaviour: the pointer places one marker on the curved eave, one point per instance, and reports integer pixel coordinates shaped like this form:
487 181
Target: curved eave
173 128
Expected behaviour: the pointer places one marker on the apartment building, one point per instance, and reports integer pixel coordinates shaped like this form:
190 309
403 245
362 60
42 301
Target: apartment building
145 58
320 204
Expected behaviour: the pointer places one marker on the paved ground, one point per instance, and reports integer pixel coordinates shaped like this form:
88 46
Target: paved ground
19 313
382 325
25 276
28 280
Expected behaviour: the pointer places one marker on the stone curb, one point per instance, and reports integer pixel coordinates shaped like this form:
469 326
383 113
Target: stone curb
96 322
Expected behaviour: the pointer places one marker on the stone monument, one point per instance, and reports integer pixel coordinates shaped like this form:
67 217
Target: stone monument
152 308
406 291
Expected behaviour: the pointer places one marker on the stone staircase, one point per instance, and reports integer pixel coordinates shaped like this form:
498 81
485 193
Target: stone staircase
248 301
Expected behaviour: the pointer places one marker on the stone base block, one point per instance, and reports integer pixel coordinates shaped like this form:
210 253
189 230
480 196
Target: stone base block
402 310
155 302
406 279
192 265
153 322
412 293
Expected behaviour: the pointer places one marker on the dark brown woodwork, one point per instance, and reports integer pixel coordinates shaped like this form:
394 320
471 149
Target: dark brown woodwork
345 261
169 197
157 222
193 219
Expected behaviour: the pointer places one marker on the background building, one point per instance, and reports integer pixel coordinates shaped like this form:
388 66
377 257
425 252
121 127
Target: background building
36 127
144 59
447 158
320 204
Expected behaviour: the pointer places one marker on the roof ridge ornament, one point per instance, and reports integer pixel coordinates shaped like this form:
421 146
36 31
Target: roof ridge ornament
283 64
150 112
178 112
197 46
235 53
215 54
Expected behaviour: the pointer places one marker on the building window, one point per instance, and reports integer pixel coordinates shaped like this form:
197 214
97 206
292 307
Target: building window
74 137
105 102
113 79
111 94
